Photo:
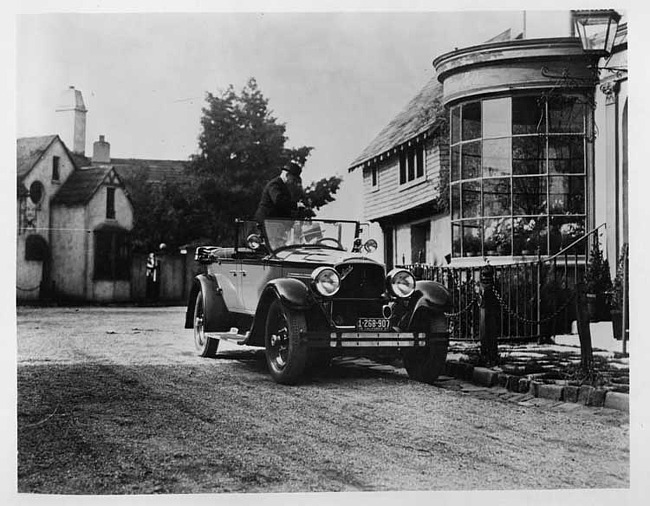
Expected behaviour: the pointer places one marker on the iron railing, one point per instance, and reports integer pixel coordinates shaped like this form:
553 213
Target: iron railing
536 297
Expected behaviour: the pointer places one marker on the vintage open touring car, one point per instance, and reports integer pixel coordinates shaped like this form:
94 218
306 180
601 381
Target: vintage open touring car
306 291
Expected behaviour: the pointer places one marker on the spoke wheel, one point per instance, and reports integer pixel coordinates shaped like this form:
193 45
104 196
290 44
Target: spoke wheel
286 356
425 364
206 346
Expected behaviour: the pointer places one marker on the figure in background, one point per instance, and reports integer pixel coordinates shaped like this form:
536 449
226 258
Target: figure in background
153 277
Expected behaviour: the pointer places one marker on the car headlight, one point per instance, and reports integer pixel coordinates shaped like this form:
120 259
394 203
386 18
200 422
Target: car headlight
326 281
401 283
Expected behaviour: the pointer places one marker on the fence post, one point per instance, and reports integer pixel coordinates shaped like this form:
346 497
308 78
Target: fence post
488 321
584 333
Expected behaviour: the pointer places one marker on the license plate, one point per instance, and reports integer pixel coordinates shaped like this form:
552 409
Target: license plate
373 325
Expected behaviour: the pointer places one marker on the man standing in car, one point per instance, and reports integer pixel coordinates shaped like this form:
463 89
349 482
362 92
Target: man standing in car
280 195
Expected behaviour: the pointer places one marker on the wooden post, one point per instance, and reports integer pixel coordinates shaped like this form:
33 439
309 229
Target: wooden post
586 351
488 322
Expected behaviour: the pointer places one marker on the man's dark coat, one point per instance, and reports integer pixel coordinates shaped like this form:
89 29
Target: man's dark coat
276 201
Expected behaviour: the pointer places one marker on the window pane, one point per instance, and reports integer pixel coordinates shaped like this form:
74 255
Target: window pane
566 155
496 118
529 234
567 194
456 239
529 195
471 195
497 236
564 230
419 155
471 121
527 116
411 165
496 197
528 155
471 160
566 115
402 167
496 157
455 125
455 201
471 238
455 163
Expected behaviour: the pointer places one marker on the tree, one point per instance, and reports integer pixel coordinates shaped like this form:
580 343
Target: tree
241 147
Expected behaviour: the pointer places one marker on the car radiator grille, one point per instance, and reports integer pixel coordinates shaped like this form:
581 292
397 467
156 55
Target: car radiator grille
358 282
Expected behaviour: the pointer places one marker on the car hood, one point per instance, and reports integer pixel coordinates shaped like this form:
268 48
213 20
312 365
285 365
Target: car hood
321 256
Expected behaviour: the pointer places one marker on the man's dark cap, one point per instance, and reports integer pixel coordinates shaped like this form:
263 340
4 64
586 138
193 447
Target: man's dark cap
294 169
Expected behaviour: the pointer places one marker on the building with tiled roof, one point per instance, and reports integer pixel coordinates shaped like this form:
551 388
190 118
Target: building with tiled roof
73 226
401 170
76 213
534 155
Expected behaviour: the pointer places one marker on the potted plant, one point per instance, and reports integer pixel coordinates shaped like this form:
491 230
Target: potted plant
619 295
598 284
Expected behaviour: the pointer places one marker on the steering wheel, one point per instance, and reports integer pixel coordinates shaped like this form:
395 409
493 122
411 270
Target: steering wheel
336 242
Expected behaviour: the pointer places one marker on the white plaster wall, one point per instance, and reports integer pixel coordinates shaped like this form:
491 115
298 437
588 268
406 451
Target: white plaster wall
70 238
440 244
29 273
104 290
402 244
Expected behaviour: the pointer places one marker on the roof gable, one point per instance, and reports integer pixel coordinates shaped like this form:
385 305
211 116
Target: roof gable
83 184
420 115
29 150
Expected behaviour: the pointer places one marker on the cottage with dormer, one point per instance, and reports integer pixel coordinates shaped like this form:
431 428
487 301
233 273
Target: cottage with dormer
73 223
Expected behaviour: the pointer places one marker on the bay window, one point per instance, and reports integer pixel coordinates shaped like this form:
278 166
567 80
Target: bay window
517 174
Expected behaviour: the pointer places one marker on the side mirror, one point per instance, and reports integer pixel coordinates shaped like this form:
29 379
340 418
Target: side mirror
370 245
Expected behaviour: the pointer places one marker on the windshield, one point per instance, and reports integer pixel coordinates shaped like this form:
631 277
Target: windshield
295 233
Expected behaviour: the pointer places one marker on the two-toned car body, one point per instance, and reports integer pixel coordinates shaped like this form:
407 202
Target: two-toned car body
306 290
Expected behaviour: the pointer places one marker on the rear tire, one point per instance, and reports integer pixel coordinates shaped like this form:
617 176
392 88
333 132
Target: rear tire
425 364
286 356
205 345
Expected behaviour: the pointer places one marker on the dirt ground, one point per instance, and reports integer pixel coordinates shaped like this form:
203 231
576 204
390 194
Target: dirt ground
115 401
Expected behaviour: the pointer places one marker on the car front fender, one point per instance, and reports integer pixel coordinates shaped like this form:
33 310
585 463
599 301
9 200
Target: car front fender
291 292
429 301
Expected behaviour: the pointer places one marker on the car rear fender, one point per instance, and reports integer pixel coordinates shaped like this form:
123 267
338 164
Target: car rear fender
293 294
429 302
216 314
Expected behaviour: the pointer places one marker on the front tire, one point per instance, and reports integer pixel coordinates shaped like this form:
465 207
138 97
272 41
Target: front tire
425 364
205 345
286 356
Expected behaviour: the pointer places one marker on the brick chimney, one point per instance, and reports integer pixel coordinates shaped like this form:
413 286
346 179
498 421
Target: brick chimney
101 151
71 119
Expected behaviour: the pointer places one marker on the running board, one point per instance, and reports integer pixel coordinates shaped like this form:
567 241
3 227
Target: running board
233 336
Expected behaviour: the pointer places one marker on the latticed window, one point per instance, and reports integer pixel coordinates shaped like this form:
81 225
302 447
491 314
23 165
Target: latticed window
518 174
411 164
112 254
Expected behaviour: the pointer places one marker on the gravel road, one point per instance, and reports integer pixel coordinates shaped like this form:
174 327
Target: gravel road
114 400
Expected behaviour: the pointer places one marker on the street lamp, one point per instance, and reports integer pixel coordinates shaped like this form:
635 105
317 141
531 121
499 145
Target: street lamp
596 29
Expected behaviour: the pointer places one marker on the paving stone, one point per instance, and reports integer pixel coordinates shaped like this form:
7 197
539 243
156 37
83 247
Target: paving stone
552 392
513 383
502 379
484 376
571 393
617 400
597 398
524 385
473 388
584 394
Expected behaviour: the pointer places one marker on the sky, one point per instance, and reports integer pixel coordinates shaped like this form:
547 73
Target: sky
334 78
